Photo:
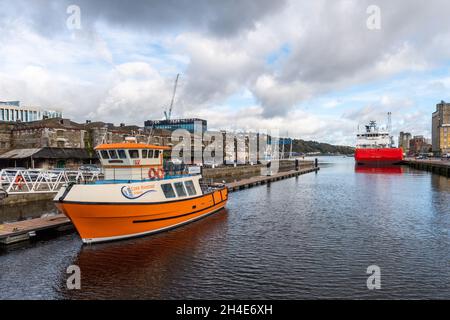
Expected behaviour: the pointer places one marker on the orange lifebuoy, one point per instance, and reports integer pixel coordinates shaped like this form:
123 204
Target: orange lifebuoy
151 173
20 181
161 173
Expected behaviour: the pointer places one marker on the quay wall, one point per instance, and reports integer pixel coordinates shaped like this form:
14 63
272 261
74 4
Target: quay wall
231 172
434 166
25 198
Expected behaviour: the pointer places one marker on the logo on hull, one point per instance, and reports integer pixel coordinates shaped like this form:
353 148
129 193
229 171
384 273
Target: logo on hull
136 192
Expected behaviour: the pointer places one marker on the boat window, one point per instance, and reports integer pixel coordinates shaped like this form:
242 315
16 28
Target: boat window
122 154
181 192
105 154
190 187
113 154
150 154
144 154
168 190
156 154
134 154
99 154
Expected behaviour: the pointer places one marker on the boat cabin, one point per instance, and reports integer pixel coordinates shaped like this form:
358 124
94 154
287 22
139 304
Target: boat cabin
373 137
131 161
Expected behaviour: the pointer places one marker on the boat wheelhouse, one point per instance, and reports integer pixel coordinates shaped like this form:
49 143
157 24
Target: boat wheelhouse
373 137
136 197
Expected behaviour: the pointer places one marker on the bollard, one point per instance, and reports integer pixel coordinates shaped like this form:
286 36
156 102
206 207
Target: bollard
316 162
296 164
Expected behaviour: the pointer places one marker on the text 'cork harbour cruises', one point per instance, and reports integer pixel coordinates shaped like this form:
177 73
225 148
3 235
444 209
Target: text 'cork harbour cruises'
137 197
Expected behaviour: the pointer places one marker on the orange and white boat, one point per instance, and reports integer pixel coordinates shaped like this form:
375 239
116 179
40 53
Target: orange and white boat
136 197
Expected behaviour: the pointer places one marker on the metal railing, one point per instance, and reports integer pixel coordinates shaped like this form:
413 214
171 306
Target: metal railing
16 181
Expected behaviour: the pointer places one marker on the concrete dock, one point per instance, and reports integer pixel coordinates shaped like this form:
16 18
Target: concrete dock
24 230
438 166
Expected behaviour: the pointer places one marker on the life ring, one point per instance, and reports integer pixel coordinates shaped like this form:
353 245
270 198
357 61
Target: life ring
19 181
151 173
160 173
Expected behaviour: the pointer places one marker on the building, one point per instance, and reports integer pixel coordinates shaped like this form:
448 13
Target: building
47 158
62 143
174 124
403 141
440 131
13 111
418 145
5 136
52 133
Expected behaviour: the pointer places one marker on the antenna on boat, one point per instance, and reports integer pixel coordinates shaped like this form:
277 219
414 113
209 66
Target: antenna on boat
389 121
389 128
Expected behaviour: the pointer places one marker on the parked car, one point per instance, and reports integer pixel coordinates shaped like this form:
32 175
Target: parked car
90 168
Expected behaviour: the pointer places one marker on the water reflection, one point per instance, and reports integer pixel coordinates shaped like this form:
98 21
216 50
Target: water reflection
309 237
379 169
153 262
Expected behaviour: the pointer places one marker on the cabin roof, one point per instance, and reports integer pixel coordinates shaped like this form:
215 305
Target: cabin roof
128 145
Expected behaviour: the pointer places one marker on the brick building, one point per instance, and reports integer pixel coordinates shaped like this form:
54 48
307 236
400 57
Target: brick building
62 143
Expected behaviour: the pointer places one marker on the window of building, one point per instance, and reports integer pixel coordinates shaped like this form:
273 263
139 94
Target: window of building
168 190
113 154
105 154
190 188
144 154
134 154
179 187
122 154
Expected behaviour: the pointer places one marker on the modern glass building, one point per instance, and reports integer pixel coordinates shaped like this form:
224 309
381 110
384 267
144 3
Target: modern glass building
174 124
12 111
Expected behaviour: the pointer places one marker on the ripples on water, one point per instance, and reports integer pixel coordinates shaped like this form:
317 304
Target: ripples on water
308 237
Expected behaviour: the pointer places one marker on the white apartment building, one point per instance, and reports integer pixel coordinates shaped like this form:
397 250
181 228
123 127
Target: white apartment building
12 111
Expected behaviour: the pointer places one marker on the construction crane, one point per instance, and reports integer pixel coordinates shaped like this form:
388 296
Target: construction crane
168 113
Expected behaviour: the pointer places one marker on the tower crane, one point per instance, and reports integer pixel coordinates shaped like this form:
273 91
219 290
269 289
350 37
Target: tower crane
168 113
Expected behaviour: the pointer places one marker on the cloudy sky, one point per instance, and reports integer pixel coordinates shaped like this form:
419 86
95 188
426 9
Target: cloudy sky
312 69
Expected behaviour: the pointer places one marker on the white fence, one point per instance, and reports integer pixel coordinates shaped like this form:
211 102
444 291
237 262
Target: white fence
15 181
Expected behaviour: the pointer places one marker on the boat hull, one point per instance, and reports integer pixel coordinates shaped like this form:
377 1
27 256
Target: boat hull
379 156
99 222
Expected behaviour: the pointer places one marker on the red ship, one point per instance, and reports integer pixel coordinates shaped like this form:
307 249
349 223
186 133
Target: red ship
375 147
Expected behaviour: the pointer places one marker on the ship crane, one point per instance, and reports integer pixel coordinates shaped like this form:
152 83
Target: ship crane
168 113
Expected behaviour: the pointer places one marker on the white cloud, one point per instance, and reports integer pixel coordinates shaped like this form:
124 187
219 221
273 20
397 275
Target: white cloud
120 70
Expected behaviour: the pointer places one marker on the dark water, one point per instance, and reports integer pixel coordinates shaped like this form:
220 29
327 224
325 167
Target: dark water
311 237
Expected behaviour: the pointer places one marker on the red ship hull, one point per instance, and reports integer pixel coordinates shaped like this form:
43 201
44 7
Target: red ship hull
381 156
